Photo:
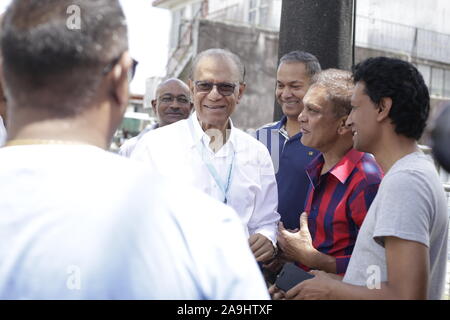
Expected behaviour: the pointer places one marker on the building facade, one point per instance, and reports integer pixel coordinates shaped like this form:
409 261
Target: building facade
397 28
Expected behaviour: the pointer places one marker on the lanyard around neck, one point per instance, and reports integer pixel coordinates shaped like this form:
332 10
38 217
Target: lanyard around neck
201 148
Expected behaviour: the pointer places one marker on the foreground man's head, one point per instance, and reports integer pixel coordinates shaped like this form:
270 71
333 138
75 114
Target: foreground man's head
63 66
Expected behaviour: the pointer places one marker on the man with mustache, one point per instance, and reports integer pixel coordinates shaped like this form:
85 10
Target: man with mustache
172 103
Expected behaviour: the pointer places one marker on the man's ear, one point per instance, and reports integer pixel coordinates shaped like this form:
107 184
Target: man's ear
385 106
242 87
119 80
153 102
343 127
191 87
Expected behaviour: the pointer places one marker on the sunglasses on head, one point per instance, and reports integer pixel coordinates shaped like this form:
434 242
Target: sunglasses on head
224 88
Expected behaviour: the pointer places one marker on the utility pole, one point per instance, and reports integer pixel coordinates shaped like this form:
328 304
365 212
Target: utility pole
321 27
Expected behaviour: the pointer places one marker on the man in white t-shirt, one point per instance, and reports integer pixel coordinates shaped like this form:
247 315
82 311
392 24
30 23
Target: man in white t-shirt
77 222
401 249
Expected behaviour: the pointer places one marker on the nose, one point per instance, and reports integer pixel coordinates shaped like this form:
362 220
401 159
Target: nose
301 117
214 94
349 121
286 92
175 104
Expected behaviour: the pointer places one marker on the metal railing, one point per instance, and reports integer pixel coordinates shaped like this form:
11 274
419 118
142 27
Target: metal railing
185 43
390 36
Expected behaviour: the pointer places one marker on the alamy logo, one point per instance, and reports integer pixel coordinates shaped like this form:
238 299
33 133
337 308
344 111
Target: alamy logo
74 20
74 280
374 279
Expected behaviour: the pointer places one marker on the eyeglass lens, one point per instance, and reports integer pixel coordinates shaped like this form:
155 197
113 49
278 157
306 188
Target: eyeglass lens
224 88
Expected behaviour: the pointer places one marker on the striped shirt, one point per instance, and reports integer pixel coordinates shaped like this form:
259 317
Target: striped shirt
338 201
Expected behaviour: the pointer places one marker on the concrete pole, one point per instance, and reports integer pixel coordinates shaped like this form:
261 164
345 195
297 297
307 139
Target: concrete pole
321 27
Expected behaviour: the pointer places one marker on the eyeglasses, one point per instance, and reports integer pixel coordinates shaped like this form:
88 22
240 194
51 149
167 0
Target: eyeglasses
131 71
169 98
224 88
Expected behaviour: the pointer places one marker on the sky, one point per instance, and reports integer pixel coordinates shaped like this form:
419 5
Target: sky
148 32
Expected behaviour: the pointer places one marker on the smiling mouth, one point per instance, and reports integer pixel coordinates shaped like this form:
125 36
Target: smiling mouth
291 103
303 131
214 107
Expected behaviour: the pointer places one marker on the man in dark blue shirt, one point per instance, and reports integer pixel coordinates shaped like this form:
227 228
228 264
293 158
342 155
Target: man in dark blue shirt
282 138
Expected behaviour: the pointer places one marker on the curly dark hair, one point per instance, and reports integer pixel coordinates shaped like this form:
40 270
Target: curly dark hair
400 81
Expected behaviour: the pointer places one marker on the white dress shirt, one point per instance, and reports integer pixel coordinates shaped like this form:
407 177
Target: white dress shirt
2 132
127 148
181 151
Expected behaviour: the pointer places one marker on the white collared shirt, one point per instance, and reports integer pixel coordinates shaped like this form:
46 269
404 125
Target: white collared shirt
2 132
173 151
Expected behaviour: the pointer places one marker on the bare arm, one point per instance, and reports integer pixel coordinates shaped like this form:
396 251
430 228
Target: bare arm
407 268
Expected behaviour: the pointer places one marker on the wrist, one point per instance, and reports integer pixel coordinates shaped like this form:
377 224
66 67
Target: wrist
312 259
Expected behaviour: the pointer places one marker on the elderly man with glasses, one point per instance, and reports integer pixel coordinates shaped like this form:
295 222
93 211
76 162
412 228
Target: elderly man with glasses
172 103
208 152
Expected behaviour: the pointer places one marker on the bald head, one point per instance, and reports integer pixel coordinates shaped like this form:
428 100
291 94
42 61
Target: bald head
171 83
172 101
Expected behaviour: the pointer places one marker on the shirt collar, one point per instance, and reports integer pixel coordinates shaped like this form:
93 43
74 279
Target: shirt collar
2 132
281 126
342 170
200 135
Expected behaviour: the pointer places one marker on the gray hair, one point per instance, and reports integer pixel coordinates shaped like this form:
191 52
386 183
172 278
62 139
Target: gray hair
339 87
310 61
223 53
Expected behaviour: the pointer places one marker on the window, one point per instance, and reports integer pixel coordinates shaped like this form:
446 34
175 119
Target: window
437 81
426 72
175 29
258 12
447 84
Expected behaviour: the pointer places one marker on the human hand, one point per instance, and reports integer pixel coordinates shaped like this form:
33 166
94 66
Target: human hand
262 247
276 293
275 264
318 288
297 246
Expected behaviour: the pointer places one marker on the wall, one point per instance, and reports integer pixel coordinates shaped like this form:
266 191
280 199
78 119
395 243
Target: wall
258 50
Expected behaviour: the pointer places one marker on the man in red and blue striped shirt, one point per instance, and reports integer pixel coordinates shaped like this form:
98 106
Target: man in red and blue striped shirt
344 181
